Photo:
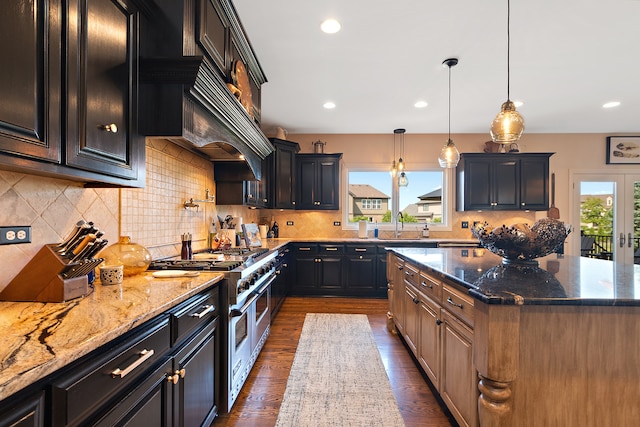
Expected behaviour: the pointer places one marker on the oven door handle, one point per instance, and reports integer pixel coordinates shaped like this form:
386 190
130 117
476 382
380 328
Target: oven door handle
236 312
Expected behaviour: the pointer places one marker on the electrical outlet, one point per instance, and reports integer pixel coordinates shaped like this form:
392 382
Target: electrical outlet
337 223
465 224
289 222
14 235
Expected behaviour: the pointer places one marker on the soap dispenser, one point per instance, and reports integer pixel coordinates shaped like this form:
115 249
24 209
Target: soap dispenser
425 230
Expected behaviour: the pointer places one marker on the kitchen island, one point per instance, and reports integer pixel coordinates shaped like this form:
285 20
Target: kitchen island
554 345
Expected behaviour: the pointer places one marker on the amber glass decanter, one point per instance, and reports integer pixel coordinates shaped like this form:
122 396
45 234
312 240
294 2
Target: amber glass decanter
134 257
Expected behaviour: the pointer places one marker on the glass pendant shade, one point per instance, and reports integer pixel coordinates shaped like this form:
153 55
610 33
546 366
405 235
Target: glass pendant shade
508 125
449 155
403 181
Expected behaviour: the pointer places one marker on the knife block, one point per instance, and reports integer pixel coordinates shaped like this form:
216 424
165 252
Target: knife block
40 280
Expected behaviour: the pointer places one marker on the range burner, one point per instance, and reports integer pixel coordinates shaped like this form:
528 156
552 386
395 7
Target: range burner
185 264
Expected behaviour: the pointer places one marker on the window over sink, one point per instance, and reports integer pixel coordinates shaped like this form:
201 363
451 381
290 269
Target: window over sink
372 196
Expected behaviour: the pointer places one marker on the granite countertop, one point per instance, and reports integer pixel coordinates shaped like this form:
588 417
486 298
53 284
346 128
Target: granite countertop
558 280
273 243
40 338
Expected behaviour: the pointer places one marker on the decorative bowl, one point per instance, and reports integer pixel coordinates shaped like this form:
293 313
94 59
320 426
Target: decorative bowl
519 243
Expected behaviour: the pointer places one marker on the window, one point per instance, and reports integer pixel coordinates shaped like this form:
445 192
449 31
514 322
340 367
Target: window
372 196
372 204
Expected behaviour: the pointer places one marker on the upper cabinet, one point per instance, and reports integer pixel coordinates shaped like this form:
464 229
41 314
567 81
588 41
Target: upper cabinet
498 181
318 186
281 168
69 89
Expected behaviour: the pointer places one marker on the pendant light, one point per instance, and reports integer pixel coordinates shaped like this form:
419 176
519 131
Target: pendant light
449 155
403 181
508 124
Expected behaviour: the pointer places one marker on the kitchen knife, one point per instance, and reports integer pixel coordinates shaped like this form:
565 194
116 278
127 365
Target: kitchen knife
88 238
72 234
77 238
98 245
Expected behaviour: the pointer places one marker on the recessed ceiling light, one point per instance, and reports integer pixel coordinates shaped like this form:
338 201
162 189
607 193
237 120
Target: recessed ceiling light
420 104
611 104
330 26
329 105
518 104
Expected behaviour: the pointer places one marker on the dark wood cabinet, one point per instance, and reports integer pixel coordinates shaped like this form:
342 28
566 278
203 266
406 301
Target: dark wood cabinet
503 181
102 72
24 412
282 173
318 269
163 373
31 82
69 91
281 284
318 186
361 270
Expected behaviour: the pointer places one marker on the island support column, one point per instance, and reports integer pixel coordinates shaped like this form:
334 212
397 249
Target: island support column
495 354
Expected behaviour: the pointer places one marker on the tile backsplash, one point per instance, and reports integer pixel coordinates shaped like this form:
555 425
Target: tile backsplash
155 216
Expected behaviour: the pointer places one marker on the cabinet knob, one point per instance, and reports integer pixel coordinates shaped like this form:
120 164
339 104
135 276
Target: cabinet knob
438 322
111 127
415 300
176 376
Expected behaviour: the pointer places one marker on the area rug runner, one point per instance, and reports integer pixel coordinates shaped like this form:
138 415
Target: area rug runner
337 378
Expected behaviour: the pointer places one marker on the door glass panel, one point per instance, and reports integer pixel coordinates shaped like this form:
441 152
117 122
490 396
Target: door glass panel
241 329
597 209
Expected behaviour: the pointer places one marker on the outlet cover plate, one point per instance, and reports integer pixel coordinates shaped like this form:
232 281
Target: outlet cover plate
14 235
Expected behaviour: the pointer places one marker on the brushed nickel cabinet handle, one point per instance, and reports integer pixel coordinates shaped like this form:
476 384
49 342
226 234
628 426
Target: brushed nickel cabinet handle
143 356
450 301
207 309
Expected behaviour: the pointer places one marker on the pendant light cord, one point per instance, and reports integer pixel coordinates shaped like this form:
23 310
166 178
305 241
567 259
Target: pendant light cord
508 47
449 103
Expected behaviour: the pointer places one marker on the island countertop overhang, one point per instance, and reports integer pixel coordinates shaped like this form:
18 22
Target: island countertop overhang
558 279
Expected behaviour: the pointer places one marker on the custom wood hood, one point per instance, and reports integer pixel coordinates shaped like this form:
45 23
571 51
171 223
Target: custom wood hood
190 56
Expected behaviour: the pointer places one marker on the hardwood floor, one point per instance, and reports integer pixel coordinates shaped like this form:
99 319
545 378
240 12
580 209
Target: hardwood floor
259 400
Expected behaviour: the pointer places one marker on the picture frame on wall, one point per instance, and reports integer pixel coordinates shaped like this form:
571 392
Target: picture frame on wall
623 150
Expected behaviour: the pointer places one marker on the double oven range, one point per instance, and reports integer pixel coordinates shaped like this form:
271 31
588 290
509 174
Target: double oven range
247 313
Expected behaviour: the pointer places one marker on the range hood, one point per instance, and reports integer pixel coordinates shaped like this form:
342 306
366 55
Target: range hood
186 101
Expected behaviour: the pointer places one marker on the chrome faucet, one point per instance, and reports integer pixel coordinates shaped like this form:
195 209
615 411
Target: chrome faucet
399 215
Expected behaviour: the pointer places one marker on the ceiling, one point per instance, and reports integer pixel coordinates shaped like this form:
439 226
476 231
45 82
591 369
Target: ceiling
568 58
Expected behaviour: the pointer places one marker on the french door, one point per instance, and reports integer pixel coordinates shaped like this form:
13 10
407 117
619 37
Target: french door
607 207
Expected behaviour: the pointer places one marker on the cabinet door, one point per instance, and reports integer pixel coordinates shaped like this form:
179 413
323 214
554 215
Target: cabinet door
505 181
478 193
283 175
411 321
361 273
31 86
306 187
459 381
102 93
429 345
330 272
27 412
534 183
396 273
328 185
305 279
196 371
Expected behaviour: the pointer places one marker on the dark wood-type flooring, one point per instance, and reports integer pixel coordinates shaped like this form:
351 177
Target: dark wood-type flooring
259 400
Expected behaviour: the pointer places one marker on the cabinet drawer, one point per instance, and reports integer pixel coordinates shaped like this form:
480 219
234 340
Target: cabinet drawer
96 380
305 248
457 303
360 250
328 249
411 274
193 313
430 286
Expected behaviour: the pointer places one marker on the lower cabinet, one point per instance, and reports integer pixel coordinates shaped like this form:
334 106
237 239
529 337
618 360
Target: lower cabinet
163 373
336 269
25 412
436 321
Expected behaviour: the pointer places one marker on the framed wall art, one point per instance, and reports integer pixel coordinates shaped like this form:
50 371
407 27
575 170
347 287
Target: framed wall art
623 150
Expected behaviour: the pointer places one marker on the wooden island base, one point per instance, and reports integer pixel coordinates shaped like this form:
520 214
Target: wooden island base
557 365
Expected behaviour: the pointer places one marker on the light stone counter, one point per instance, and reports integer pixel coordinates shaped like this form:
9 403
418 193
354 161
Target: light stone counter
40 338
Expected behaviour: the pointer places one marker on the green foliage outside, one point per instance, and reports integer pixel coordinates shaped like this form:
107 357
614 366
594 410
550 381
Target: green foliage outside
405 217
595 217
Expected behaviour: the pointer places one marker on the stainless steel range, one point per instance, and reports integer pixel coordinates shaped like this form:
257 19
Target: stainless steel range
247 286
